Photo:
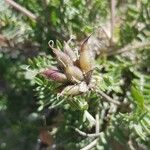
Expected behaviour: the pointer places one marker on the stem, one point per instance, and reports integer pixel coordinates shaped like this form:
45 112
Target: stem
21 9
97 125
90 118
108 98
90 146
129 47
86 134
102 116
130 144
112 20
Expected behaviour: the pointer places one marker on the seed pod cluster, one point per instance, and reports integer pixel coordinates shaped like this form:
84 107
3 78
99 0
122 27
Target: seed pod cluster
74 72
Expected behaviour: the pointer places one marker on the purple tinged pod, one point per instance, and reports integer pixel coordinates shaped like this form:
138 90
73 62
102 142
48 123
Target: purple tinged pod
55 75
69 51
74 74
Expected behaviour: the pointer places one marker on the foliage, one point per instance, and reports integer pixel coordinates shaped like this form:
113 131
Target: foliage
26 97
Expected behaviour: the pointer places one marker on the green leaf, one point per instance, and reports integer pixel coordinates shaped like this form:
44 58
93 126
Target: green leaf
139 131
137 96
30 74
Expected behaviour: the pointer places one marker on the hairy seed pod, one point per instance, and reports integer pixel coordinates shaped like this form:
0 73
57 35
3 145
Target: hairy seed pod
86 58
74 74
63 59
55 75
69 52
75 89
71 90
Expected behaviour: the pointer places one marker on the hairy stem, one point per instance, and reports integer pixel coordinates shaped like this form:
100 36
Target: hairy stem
108 98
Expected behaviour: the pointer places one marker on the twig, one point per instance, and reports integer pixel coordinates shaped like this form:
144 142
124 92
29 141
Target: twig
90 118
130 144
32 16
112 20
102 116
86 134
97 125
90 146
129 47
108 98
22 9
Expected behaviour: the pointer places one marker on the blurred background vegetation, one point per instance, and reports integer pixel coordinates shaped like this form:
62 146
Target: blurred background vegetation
23 36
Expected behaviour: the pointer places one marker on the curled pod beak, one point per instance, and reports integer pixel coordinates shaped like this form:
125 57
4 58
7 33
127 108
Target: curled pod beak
69 52
74 74
55 75
63 59
86 59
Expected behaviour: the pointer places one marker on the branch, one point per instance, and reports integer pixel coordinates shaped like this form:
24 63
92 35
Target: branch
96 134
108 98
86 134
22 9
130 144
90 118
102 116
129 47
112 21
90 146
97 125
32 16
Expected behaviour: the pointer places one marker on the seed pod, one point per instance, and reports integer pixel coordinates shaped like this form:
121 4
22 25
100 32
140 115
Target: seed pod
62 58
71 90
75 89
74 74
69 52
55 75
86 58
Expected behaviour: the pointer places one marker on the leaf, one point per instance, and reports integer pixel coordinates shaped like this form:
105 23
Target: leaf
137 96
139 131
30 74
